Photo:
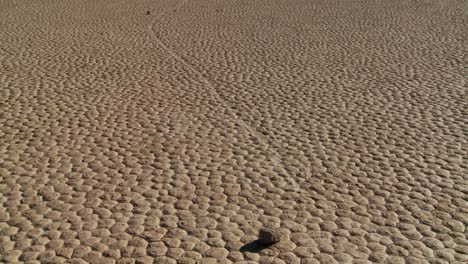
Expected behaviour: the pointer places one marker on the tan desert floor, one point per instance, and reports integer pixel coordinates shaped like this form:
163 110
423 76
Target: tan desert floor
173 136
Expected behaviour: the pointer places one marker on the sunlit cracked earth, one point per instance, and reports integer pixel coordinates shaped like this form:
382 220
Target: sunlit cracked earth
144 131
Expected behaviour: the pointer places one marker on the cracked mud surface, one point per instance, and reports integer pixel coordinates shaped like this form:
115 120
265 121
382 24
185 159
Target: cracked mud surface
174 136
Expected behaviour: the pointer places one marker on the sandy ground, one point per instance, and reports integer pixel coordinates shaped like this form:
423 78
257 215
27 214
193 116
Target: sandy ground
173 136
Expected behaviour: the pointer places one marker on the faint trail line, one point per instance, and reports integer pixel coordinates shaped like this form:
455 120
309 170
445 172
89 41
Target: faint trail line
269 147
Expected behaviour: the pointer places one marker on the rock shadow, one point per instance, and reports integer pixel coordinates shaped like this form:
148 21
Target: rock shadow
253 247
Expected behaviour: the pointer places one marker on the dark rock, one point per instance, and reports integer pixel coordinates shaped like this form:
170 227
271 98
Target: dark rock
268 236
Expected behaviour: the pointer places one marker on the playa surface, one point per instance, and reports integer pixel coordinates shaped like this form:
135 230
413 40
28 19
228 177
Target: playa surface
172 131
